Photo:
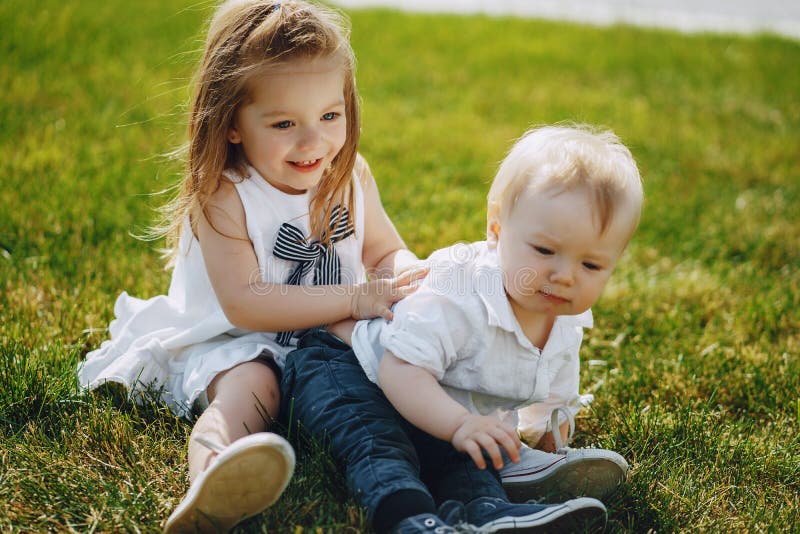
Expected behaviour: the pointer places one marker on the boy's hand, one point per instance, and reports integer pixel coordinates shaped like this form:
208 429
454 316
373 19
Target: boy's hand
478 433
375 298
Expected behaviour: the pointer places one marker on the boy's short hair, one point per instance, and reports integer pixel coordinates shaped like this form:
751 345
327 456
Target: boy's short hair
568 157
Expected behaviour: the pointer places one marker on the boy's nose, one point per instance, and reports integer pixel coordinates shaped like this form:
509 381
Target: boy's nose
562 274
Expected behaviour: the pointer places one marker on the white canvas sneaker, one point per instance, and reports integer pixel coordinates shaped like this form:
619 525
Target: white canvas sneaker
247 477
565 474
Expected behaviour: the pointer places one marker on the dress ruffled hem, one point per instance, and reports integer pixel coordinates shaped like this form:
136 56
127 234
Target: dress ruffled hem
170 361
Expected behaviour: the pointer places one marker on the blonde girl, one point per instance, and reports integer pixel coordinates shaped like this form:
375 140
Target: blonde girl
277 228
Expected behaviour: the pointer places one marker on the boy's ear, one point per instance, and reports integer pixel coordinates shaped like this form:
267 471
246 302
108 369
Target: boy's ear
233 136
493 224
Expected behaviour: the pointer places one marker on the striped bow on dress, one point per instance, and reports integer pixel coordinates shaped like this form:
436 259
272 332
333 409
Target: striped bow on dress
292 245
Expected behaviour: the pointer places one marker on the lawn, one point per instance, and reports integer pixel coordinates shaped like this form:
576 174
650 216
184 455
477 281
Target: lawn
695 354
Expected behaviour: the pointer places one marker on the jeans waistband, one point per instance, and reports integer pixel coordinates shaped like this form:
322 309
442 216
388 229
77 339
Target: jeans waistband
319 337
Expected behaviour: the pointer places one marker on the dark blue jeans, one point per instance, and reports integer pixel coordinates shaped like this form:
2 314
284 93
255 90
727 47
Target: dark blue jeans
325 389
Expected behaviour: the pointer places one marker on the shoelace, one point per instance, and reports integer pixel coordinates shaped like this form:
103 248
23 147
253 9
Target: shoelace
540 500
460 528
555 428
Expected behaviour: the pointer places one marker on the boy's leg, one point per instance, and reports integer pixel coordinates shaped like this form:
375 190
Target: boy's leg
453 476
325 389
567 472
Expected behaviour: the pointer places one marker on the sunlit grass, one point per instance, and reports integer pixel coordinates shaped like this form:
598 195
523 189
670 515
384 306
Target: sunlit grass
696 345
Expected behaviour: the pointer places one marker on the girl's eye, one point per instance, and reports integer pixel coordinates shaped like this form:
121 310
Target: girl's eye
591 266
330 116
543 250
282 125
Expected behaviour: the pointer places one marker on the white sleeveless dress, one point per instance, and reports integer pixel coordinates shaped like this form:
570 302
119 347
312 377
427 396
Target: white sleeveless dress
175 344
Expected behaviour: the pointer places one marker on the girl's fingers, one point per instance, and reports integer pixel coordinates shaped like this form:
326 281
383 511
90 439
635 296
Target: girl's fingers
411 276
405 291
386 313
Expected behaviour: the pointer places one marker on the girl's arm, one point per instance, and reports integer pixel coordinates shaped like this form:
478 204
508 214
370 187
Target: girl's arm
385 255
418 397
250 304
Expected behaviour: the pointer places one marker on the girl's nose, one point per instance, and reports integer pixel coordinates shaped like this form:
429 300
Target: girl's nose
309 138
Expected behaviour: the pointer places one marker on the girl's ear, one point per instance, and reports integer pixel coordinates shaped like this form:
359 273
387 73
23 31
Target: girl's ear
493 224
233 136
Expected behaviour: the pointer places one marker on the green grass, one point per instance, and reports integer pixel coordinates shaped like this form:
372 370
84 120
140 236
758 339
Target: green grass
697 339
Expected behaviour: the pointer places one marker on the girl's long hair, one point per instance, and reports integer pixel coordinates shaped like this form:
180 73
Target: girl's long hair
245 39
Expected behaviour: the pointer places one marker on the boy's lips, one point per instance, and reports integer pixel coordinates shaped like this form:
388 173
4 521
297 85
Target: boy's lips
306 165
553 298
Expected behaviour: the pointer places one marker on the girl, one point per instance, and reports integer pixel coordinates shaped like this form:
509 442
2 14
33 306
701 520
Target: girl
275 199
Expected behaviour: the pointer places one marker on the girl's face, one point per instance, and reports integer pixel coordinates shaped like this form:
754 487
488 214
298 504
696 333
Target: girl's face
294 122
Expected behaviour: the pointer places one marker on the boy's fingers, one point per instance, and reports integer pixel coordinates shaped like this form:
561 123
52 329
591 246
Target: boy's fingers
511 448
474 451
489 444
512 433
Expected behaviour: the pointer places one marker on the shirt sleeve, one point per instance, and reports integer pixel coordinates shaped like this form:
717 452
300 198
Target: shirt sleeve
534 419
428 330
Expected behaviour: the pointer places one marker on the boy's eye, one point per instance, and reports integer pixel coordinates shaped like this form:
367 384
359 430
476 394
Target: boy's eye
282 125
330 116
591 266
543 250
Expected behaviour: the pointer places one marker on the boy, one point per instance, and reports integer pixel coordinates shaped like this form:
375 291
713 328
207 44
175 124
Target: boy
493 329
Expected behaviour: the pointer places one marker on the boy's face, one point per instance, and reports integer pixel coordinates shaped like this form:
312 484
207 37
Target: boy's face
551 252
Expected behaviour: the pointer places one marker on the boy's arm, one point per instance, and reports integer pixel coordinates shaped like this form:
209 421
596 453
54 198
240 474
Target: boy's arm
418 397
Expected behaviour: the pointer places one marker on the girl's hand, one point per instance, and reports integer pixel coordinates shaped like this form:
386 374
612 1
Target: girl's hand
375 298
478 433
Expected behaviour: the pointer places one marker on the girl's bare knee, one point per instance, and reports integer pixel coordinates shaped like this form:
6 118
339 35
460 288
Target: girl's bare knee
248 379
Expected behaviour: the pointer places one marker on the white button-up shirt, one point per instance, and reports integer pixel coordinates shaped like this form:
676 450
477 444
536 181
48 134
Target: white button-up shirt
460 327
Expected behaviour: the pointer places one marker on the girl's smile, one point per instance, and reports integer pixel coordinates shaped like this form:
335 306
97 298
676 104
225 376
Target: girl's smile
306 166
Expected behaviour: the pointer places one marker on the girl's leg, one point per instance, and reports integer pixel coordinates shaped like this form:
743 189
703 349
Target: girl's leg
242 400
251 468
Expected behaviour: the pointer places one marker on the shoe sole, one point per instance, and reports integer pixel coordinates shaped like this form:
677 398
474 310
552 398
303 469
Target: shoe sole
577 515
569 477
244 480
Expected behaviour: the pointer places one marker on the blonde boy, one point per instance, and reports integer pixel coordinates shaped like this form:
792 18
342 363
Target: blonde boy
493 331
